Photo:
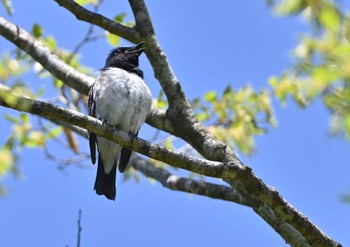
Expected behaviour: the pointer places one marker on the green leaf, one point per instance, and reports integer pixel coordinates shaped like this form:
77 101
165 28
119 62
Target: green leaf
40 92
85 2
8 6
10 143
329 18
347 29
227 90
129 24
169 144
37 30
112 39
35 139
50 41
53 133
347 125
119 18
160 102
290 7
24 117
58 83
273 81
203 116
196 103
210 96
82 2
12 119
7 161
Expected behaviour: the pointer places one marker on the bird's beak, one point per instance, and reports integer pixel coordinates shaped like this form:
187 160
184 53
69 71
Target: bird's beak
137 49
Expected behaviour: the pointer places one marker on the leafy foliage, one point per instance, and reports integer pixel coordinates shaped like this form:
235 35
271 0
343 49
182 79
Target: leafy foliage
236 116
114 40
322 61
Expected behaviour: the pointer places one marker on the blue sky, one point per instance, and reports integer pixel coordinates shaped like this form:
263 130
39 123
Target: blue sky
209 44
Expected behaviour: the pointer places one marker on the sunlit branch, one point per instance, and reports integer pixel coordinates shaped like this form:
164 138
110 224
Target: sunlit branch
42 54
178 183
111 26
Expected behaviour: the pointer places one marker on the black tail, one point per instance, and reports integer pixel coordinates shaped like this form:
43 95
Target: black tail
124 159
105 183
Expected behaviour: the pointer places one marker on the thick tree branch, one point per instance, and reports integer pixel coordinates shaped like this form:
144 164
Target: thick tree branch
208 168
159 120
175 182
162 69
264 196
99 20
42 54
172 181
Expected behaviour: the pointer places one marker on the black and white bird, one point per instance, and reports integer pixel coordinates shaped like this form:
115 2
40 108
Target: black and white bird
120 98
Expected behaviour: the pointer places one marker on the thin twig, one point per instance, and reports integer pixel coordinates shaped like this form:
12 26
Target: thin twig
79 228
87 37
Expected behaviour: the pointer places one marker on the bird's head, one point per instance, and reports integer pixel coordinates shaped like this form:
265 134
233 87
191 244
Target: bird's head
125 57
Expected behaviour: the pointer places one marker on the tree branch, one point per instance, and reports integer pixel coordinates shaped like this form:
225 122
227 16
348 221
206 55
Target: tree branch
208 168
42 54
175 182
172 181
162 69
111 26
265 198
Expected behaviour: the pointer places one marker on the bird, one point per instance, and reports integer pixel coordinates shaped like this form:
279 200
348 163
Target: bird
120 98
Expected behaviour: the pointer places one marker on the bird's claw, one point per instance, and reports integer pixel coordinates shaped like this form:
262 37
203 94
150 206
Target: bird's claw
132 136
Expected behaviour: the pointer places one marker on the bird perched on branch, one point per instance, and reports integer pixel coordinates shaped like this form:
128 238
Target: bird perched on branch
120 98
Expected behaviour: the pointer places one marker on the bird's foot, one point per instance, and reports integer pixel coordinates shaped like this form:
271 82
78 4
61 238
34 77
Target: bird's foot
132 136
114 127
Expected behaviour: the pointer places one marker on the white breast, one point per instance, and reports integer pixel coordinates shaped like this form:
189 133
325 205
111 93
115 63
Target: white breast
122 99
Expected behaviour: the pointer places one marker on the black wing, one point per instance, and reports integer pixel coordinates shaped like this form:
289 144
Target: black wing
92 136
124 158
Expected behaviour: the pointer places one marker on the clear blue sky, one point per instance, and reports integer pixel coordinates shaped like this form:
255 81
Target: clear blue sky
210 44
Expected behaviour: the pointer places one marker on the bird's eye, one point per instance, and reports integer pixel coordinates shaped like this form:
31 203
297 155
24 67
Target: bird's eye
116 51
